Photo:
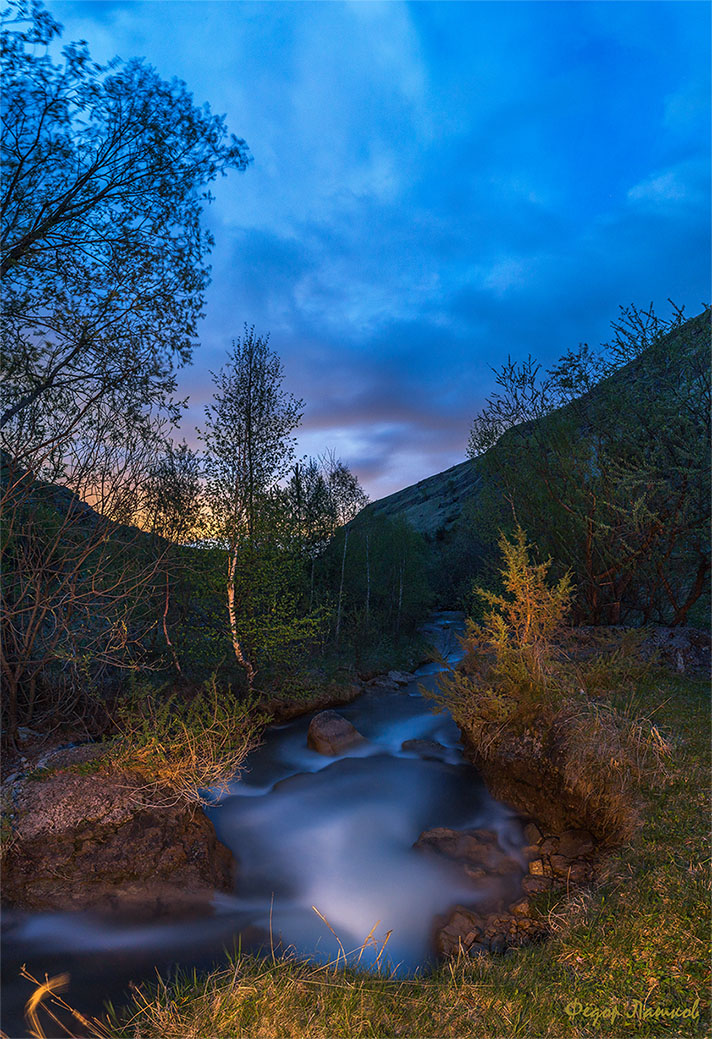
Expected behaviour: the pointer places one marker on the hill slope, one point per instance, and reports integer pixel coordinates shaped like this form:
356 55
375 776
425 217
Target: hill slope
434 505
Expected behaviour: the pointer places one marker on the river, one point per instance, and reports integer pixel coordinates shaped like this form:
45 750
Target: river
307 831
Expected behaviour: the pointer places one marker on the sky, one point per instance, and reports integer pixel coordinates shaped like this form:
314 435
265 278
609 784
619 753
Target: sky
435 187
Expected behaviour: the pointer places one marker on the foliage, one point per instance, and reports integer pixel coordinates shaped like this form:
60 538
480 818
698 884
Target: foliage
103 255
249 449
185 742
509 671
613 483
635 945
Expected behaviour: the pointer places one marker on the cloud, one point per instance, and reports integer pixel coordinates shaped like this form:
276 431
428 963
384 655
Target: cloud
435 186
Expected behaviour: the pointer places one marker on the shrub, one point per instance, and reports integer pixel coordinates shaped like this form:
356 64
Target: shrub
510 668
186 744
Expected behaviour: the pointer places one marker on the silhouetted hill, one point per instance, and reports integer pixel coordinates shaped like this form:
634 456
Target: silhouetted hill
434 505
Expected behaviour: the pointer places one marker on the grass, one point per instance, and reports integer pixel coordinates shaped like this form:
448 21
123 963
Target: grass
629 957
623 959
185 744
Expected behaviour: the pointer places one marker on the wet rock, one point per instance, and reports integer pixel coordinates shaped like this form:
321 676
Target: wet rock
532 833
329 733
105 841
383 682
400 677
467 931
477 848
428 749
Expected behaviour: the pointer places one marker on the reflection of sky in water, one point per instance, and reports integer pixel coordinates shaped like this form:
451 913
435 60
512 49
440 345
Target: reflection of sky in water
306 830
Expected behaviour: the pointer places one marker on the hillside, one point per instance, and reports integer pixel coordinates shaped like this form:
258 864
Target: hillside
434 505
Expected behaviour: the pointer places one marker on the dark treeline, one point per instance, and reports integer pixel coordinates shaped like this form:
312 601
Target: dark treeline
127 553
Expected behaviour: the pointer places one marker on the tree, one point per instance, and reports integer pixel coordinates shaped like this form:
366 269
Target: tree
347 498
614 483
104 265
103 257
249 448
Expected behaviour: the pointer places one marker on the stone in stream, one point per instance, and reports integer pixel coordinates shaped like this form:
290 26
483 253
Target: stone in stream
330 734
400 677
478 848
426 749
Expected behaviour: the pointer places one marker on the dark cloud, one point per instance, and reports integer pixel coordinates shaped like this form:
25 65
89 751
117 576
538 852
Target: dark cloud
435 186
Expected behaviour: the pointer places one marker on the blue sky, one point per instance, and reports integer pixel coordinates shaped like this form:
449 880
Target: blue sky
434 186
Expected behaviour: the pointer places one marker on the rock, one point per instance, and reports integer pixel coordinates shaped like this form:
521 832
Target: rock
425 749
383 682
498 944
477 848
575 843
536 868
330 734
475 872
535 885
532 833
105 841
521 908
573 871
24 734
400 677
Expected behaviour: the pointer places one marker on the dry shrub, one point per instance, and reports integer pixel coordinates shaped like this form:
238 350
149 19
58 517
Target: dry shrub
186 745
525 692
605 756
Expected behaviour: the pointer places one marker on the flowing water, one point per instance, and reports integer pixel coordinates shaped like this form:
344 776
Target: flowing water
307 831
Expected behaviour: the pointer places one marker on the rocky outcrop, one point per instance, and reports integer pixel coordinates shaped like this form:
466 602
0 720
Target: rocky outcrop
330 734
554 772
333 695
503 916
469 931
105 841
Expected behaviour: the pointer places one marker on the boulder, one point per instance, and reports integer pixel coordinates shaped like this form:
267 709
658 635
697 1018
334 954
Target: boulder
400 677
105 841
330 734
426 749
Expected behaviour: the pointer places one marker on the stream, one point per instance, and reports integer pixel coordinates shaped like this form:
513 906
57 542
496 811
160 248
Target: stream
334 833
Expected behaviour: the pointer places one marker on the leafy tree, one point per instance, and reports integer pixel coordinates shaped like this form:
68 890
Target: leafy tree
249 449
103 257
104 265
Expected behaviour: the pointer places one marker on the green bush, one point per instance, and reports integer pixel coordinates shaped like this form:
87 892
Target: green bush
186 743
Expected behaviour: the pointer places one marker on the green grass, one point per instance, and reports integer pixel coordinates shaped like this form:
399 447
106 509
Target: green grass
637 945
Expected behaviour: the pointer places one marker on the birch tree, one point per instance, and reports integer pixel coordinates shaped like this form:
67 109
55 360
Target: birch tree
249 448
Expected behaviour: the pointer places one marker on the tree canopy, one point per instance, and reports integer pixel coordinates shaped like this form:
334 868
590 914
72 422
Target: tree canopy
103 258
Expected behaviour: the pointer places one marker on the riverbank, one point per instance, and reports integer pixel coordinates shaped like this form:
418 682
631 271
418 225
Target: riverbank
627 957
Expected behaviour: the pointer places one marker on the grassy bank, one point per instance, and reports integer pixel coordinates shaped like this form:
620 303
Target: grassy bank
625 958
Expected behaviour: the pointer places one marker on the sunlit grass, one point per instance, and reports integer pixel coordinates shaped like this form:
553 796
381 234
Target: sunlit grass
636 945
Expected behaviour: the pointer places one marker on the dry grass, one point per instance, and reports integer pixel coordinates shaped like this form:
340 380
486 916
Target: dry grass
187 744
635 945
